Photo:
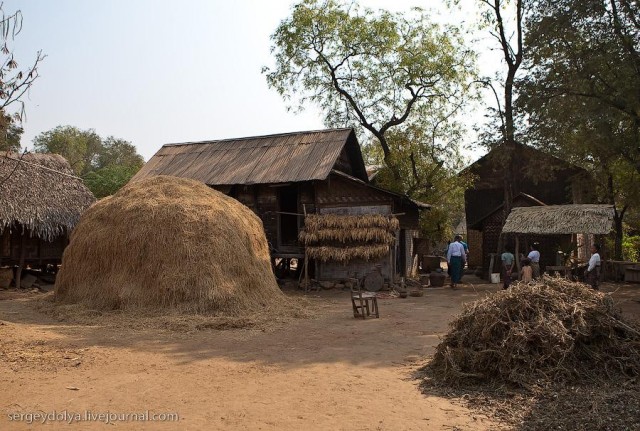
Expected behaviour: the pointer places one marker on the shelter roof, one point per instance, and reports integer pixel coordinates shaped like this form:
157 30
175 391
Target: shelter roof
560 219
41 193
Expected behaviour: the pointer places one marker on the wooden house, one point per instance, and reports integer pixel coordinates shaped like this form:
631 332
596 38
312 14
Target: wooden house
539 179
40 203
282 177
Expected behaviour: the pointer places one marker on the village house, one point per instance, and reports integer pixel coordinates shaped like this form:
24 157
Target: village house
539 179
41 201
284 177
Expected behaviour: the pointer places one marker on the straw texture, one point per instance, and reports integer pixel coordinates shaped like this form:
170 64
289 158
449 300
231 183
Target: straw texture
166 242
560 219
41 194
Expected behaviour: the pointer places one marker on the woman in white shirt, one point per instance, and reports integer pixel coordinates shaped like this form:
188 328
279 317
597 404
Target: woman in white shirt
593 270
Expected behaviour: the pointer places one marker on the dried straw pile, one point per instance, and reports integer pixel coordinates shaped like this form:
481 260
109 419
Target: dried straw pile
168 242
550 331
343 238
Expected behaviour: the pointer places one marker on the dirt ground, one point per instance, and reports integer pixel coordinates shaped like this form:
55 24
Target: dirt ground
329 371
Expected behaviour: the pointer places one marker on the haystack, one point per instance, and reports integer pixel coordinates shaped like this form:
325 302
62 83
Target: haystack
550 331
167 242
346 237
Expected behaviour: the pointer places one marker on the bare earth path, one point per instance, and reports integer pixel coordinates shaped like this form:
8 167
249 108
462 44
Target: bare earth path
329 372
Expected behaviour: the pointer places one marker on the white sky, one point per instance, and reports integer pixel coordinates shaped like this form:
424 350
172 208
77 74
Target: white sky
157 71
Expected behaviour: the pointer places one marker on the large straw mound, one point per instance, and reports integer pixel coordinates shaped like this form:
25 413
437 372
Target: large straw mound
169 243
554 330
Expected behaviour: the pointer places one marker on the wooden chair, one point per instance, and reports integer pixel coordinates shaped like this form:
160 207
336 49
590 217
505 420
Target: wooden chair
365 304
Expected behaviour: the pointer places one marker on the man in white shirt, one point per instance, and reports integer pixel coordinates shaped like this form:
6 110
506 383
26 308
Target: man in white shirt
593 270
456 258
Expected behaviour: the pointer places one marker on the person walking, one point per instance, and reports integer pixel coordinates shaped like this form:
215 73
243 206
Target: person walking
508 260
534 257
592 275
456 258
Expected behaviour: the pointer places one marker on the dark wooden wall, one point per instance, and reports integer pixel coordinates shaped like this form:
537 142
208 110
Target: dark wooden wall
37 251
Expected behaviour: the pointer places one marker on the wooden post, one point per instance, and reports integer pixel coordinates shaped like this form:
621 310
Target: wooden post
306 270
518 255
23 240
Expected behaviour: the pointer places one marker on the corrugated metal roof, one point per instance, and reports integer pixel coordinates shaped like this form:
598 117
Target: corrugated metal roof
300 156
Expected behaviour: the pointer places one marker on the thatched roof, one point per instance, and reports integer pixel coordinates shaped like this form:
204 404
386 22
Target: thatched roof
560 219
41 193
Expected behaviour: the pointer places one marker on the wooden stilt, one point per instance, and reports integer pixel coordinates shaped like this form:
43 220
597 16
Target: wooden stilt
518 255
23 242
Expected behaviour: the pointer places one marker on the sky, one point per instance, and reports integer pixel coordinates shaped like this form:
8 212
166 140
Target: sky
154 72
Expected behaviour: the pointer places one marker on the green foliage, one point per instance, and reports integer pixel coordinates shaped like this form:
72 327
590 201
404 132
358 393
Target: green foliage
105 165
400 77
376 70
10 133
581 93
429 174
109 179
79 147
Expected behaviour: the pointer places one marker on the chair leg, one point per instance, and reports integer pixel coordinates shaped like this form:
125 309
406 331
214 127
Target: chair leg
374 304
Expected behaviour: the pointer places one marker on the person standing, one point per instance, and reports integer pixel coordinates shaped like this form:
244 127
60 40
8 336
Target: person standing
526 275
592 275
508 260
456 258
534 257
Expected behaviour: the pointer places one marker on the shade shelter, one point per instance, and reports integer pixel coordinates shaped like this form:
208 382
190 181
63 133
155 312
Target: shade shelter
559 220
40 203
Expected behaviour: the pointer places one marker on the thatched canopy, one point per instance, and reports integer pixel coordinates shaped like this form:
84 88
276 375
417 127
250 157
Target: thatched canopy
346 237
560 219
41 193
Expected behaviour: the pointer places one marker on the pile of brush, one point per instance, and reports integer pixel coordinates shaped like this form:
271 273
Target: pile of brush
553 330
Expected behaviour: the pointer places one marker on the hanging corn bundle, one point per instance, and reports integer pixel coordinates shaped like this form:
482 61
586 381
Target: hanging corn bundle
331 237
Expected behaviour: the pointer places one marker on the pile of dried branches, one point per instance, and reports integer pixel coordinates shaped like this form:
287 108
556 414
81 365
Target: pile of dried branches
550 331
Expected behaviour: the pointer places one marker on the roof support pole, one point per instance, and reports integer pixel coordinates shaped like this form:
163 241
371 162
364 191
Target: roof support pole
23 247
518 255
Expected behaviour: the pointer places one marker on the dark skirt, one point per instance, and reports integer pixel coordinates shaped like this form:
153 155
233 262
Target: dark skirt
455 267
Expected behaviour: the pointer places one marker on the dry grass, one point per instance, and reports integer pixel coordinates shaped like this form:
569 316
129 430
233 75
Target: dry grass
548 355
550 331
332 237
265 319
173 244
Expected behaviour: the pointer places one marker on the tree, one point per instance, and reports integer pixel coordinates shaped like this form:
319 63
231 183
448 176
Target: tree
80 147
376 70
14 83
506 23
10 133
582 92
430 174
105 165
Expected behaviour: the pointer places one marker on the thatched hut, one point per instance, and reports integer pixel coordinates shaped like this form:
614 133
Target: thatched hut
169 243
40 203
541 179
577 222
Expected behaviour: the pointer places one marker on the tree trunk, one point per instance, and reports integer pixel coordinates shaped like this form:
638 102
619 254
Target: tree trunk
617 248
